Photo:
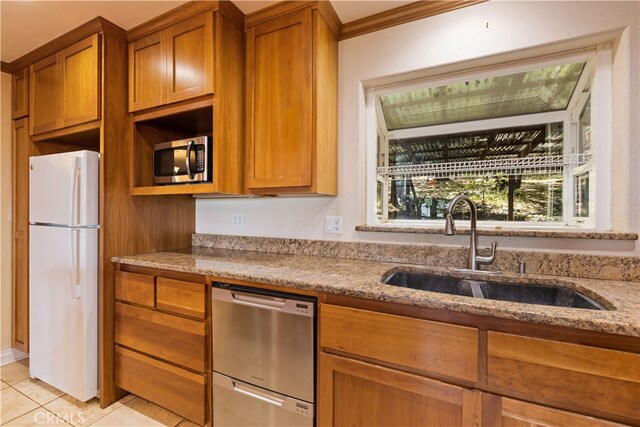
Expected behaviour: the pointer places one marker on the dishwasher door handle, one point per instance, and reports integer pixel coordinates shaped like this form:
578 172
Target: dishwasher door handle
277 303
257 394
268 303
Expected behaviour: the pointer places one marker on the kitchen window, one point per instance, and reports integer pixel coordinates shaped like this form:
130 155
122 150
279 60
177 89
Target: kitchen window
528 142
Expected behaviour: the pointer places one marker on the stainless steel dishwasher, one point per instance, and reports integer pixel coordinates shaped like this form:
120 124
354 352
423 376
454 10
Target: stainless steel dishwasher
263 357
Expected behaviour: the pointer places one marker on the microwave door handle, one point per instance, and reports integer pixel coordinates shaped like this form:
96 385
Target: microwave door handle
187 160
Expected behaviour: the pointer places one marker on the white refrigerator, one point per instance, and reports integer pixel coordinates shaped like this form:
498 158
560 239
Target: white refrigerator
63 271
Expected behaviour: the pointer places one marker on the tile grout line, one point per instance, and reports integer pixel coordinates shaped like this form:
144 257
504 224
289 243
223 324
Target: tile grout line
12 387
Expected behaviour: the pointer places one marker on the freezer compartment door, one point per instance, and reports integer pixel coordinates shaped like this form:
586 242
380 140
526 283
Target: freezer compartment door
236 403
63 188
264 340
63 308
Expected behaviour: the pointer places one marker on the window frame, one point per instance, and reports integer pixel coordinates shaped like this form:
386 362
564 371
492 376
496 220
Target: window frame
596 78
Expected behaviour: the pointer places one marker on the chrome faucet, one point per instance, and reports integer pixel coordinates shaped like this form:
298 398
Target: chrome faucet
449 229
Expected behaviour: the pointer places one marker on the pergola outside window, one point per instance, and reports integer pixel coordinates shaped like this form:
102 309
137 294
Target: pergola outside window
517 139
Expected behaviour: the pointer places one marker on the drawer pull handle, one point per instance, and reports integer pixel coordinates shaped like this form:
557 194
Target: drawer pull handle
257 395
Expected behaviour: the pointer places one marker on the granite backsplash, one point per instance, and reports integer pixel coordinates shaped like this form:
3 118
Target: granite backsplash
547 263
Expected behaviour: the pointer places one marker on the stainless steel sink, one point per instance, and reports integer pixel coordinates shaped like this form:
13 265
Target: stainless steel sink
535 293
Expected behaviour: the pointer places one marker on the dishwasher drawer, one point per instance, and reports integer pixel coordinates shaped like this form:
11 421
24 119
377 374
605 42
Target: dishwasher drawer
264 338
239 404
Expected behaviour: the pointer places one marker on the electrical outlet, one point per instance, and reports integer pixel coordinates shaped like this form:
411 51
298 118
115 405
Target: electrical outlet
237 220
333 224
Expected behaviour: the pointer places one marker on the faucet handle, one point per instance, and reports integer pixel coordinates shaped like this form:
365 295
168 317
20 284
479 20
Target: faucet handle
488 259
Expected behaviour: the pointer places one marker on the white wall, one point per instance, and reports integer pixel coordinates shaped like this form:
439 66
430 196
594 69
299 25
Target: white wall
5 211
491 32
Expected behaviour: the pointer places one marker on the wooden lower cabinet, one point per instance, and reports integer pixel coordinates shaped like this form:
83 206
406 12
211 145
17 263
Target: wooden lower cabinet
419 345
178 340
392 367
162 340
356 393
504 412
176 389
595 380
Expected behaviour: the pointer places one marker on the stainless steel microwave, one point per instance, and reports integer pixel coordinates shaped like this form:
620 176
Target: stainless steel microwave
183 161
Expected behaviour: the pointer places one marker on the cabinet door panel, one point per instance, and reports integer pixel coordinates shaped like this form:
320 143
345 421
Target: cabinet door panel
44 95
358 393
279 90
595 379
80 82
190 58
21 152
148 71
20 94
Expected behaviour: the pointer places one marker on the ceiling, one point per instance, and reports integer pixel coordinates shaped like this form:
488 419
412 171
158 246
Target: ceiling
26 25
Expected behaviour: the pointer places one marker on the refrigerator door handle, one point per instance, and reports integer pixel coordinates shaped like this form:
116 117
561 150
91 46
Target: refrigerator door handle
75 192
260 395
75 265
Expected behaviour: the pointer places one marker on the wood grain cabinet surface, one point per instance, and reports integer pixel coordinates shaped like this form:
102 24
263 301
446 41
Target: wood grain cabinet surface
419 345
21 147
291 105
65 87
378 368
590 378
20 93
173 64
162 341
355 393
504 412
179 390
177 62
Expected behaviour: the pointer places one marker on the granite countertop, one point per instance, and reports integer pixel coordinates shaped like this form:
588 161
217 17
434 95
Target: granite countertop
362 278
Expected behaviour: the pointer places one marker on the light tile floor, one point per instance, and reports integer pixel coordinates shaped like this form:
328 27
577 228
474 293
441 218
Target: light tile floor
30 402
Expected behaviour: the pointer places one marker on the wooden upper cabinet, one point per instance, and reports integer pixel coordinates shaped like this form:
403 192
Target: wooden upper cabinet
291 105
279 81
173 64
20 94
190 58
147 71
80 82
44 99
64 87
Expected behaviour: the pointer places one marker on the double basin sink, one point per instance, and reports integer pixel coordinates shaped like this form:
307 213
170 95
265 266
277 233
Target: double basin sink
533 293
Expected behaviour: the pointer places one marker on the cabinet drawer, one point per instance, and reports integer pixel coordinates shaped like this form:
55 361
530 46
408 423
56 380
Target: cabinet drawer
181 297
135 288
420 345
175 389
595 379
503 412
181 341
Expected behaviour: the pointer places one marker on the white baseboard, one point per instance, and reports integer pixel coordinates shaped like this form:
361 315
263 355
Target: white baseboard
11 355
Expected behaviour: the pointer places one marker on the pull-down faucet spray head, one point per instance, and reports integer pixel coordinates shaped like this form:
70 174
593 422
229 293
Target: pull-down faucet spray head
449 226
